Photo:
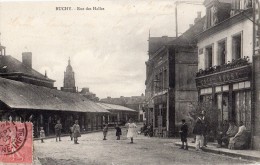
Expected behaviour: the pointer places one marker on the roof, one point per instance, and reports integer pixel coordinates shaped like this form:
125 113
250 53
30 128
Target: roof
157 42
13 65
188 37
113 107
19 95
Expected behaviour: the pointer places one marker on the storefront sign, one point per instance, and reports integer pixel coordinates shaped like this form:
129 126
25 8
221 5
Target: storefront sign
228 76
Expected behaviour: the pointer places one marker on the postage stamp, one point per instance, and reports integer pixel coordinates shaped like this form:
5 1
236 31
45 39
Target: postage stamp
16 142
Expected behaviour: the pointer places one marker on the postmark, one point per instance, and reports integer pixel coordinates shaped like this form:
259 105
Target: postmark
16 142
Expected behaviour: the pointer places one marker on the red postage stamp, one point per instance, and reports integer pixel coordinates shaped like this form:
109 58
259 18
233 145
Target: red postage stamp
16 142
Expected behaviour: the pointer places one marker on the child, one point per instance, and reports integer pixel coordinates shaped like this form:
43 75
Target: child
118 132
105 129
42 134
58 128
184 133
76 131
131 132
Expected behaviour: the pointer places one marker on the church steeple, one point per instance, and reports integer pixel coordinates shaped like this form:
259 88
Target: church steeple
69 79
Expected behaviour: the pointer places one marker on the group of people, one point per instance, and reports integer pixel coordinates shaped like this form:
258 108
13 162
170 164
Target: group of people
147 130
75 131
228 134
231 136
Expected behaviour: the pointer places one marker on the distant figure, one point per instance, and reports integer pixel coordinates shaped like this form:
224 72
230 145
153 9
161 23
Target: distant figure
239 141
184 134
58 128
71 133
118 132
221 132
105 129
232 130
76 131
199 131
42 134
131 131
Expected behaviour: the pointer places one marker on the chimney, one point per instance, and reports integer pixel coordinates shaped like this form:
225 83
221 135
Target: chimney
198 17
27 59
199 14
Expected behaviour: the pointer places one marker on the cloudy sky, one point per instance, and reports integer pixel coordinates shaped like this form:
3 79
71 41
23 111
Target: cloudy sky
107 48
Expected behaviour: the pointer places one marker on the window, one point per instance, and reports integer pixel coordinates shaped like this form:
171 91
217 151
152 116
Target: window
222 52
236 47
208 57
212 18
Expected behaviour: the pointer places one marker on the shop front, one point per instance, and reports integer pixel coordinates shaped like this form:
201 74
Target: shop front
227 91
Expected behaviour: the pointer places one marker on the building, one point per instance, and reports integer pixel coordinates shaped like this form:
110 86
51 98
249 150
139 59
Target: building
134 102
118 114
27 95
89 95
170 81
256 78
13 69
225 50
69 80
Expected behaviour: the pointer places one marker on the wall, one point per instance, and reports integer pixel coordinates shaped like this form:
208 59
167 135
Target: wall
245 27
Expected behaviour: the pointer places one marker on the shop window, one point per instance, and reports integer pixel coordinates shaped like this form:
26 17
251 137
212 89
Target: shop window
236 47
208 57
222 52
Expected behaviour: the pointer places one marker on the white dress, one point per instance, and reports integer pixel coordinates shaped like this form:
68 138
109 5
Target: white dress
131 130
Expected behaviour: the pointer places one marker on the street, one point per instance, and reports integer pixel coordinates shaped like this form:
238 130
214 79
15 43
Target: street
92 150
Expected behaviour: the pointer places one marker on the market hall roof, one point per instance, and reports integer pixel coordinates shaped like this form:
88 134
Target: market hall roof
113 107
19 95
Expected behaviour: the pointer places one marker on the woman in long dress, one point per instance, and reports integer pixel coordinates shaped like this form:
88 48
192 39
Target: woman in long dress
131 131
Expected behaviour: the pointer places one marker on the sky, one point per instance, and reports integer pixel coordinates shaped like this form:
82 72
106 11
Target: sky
108 48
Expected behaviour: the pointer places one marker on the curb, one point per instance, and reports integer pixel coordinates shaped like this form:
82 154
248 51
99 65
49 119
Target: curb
237 155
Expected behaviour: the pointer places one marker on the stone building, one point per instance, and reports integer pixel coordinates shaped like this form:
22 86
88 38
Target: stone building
225 52
69 80
170 80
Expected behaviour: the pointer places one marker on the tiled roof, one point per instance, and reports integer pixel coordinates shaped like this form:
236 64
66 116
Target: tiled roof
113 107
19 95
13 65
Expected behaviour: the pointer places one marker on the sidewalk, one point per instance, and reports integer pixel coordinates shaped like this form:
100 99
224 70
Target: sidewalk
211 147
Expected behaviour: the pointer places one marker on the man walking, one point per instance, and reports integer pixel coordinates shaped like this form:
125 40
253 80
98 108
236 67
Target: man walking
199 131
58 128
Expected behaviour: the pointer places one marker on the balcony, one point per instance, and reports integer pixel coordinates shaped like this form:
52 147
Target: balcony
235 71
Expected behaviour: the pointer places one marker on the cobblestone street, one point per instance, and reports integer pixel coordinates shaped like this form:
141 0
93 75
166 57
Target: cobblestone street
93 150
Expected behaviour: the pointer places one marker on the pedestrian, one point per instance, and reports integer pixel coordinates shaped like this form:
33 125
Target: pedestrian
206 129
76 131
105 129
198 131
42 134
131 131
58 128
184 134
71 132
118 132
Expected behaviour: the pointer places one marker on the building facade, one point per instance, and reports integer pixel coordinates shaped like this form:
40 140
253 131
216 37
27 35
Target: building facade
69 80
170 82
225 52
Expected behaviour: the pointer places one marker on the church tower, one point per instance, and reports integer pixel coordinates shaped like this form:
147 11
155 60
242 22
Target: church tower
69 80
